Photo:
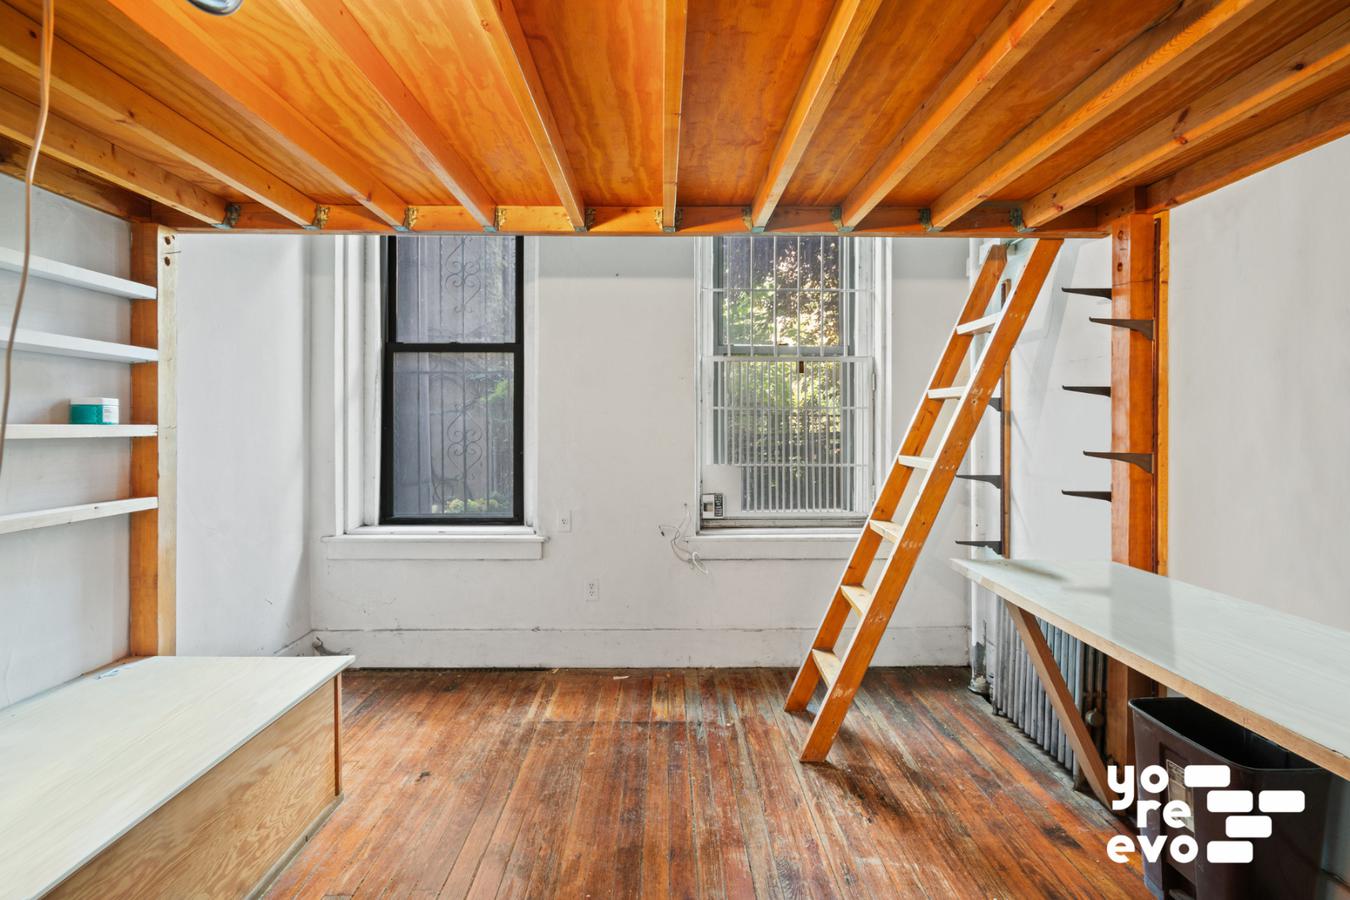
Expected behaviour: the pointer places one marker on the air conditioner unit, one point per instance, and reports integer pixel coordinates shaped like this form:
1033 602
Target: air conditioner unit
720 496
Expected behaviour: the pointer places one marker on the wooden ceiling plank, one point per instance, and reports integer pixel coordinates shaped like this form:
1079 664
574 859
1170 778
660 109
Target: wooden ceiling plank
75 146
512 52
173 29
333 19
1317 55
849 21
72 183
672 103
121 107
1318 124
1141 65
1008 39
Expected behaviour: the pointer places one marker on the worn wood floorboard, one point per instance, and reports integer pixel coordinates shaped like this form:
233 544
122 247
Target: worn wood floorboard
685 783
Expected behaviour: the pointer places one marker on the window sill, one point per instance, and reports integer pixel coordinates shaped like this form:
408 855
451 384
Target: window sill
778 543
430 542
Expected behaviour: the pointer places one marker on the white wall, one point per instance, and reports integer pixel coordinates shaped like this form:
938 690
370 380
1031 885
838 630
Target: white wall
616 439
63 591
1260 376
243 352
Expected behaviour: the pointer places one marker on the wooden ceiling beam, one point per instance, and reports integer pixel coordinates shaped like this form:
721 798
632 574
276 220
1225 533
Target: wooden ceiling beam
173 28
332 19
74 184
676 26
990 220
1317 125
117 107
98 156
1008 38
843 35
512 52
1143 63
1319 54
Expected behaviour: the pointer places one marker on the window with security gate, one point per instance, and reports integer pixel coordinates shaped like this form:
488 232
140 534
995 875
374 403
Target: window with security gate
787 380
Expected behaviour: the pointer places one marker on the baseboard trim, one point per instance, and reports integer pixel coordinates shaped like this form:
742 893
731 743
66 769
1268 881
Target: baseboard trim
624 648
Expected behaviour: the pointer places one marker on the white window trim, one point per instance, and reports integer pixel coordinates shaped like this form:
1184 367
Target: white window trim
357 374
813 540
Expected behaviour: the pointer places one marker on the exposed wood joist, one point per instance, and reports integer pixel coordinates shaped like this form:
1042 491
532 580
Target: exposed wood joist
98 156
1012 34
428 141
512 52
1138 67
174 29
844 32
68 181
992 220
676 27
121 108
1321 53
1314 126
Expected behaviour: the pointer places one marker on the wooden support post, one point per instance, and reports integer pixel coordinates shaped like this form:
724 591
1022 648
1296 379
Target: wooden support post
1134 429
1061 698
153 629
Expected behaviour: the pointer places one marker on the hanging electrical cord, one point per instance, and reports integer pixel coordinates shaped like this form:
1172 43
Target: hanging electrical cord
679 543
44 103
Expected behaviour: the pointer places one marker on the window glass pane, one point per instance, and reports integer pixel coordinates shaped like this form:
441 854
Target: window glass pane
456 289
453 437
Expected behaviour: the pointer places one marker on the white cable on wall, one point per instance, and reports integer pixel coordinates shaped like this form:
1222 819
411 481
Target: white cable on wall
44 103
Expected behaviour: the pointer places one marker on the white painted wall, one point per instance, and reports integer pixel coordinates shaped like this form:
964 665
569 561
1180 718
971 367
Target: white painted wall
1260 422
243 351
615 432
63 590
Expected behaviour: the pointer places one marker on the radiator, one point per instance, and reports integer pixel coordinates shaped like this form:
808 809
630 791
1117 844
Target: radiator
1016 691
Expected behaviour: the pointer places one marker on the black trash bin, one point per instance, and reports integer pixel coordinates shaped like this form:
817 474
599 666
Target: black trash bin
1174 732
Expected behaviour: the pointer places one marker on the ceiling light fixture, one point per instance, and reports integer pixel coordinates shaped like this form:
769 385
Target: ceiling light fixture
217 7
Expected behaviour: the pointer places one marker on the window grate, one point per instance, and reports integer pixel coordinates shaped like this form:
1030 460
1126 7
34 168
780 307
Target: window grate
788 378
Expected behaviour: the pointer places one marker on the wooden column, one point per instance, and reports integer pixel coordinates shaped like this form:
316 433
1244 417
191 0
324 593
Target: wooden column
1135 253
153 625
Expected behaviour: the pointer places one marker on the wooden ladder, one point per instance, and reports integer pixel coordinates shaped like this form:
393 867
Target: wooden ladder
843 674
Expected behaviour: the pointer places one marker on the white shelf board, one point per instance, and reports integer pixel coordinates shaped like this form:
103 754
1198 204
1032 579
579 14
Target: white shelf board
65 515
1280 675
63 273
68 432
82 348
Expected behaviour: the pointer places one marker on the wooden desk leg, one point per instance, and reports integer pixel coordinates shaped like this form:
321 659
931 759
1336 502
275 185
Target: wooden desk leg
1061 698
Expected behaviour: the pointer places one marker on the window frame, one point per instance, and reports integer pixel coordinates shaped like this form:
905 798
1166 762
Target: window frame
391 347
870 274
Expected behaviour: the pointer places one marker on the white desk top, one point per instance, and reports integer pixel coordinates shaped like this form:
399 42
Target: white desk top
83 763
1285 677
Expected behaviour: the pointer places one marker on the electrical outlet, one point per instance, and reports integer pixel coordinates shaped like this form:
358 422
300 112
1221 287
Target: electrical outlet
565 520
593 590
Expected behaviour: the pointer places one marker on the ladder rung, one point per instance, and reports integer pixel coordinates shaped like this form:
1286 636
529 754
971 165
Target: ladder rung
947 393
915 462
858 597
828 665
889 530
978 326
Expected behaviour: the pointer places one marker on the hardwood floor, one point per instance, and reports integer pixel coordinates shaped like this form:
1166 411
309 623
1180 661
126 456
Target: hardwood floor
685 783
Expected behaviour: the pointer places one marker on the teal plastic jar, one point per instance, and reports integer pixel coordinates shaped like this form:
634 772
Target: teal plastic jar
94 411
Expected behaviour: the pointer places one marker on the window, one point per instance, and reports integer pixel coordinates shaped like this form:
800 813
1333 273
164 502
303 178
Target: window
787 380
452 410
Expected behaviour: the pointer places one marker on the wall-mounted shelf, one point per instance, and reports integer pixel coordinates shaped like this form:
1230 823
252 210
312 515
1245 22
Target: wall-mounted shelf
63 273
65 515
81 348
72 432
